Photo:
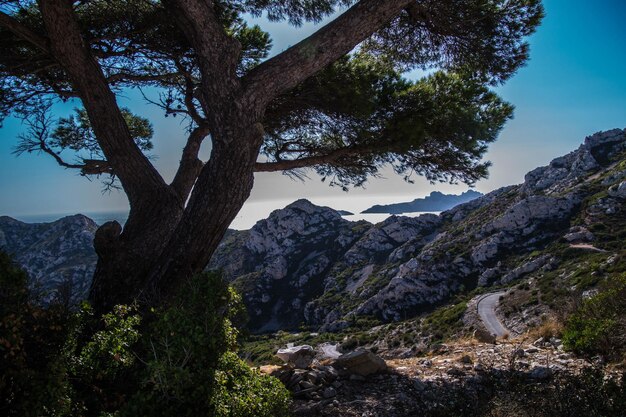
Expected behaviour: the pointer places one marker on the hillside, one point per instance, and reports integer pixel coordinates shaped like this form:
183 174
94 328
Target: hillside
306 265
58 256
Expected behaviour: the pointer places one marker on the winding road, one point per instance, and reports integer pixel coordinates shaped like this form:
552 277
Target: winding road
487 312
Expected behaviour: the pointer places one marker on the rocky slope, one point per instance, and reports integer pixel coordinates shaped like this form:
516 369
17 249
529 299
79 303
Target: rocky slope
307 265
436 201
280 264
58 256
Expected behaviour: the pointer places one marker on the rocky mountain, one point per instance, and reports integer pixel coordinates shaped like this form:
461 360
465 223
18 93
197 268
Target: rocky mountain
58 256
436 201
306 265
281 263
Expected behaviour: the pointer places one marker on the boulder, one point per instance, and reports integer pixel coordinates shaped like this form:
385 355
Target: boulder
361 362
298 356
329 392
456 372
579 234
618 191
484 336
540 373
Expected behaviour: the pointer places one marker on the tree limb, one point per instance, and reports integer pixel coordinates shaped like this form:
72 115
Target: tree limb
190 166
137 175
24 32
309 161
217 53
301 61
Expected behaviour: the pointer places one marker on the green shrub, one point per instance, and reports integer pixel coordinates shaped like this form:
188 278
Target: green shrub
178 361
598 326
445 321
33 375
349 344
242 391
191 368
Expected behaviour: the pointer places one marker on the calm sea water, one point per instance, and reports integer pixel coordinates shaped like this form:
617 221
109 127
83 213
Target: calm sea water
254 211
240 223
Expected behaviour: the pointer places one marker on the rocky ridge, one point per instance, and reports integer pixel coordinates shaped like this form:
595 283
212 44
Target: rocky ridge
58 256
307 264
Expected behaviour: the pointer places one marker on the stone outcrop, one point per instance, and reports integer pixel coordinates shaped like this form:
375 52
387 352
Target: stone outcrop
361 362
297 356
58 256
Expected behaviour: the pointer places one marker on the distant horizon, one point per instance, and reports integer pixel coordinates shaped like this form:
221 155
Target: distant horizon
244 220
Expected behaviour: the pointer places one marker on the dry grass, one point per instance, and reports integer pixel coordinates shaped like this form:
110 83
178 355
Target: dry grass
551 327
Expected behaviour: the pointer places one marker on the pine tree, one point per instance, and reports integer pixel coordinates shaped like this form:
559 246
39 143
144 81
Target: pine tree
335 102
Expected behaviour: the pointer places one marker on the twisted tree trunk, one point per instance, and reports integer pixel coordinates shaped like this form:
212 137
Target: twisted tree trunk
151 258
168 237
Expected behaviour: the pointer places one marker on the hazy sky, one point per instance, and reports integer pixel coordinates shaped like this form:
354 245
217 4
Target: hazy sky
573 86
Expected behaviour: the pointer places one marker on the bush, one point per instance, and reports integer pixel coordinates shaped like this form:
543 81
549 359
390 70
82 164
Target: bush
33 376
179 361
242 391
599 324
191 368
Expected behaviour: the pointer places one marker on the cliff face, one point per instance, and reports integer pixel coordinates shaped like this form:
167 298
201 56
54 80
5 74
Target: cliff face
280 264
58 256
306 265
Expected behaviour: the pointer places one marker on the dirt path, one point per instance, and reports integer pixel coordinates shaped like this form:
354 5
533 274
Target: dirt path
586 246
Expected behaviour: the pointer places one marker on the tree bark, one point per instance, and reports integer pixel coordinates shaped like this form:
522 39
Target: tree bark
126 258
219 193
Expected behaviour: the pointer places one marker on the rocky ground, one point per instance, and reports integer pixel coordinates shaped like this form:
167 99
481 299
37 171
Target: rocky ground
462 378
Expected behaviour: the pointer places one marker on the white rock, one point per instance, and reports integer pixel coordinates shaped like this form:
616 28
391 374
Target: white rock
298 356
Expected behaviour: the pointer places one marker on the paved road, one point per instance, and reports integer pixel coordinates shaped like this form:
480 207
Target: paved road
487 312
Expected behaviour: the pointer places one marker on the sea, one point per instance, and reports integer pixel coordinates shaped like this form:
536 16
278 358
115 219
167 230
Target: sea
253 211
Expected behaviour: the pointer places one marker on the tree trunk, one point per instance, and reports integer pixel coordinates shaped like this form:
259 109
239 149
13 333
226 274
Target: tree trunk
126 258
220 191
162 245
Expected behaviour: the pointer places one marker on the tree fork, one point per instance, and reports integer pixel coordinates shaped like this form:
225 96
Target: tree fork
222 188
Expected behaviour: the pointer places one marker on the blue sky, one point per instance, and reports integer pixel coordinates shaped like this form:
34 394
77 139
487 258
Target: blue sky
573 86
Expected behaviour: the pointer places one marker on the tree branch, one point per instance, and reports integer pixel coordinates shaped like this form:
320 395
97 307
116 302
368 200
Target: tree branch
330 157
24 32
126 76
137 175
190 166
217 53
301 61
